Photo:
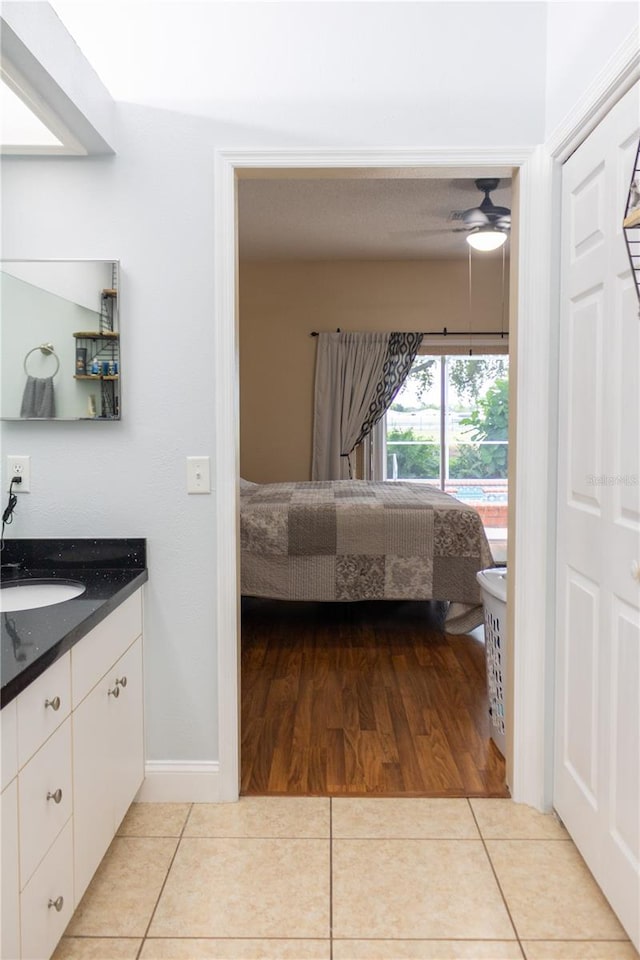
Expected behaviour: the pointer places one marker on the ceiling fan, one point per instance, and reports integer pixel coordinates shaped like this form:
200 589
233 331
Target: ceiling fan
486 225
487 214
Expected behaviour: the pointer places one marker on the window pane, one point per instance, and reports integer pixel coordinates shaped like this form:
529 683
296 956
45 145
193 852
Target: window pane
449 426
413 425
477 417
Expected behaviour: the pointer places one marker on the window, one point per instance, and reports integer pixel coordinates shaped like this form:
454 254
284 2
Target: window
29 124
448 426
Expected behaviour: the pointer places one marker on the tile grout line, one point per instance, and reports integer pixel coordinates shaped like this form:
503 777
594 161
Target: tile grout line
493 870
330 878
164 883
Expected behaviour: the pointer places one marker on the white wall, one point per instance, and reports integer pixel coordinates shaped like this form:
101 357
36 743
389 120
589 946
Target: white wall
151 206
336 73
581 38
224 75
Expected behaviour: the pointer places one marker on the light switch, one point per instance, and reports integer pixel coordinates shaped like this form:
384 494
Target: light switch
198 475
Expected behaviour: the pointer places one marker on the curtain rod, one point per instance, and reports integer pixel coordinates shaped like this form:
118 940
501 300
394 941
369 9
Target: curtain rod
448 333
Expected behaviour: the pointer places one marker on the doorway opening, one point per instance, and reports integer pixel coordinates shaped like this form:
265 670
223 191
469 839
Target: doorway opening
344 698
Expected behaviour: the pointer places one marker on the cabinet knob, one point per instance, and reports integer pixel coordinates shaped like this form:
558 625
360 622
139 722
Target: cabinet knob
58 903
114 693
122 682
56 796
54 704
635 570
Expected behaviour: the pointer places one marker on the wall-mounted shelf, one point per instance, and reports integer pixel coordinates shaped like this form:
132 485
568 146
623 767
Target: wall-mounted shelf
100 349
96 335
631 222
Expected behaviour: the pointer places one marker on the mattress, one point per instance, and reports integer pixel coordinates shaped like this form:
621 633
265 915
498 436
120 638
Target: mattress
349 540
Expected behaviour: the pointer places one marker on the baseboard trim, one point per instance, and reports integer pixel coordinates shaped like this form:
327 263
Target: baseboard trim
180 782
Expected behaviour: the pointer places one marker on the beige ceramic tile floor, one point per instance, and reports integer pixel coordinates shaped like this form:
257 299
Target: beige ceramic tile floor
307 878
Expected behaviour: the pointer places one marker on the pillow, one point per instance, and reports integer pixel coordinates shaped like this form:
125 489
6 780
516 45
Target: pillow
247 485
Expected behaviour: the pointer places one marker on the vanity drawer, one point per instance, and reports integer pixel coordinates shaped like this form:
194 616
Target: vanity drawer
106 643
45 799
8 743
42 707
50 887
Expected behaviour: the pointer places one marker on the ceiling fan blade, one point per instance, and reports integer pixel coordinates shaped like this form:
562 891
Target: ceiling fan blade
495 211
440 231
475 218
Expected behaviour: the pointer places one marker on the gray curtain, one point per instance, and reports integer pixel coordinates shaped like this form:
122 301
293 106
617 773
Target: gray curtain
357 377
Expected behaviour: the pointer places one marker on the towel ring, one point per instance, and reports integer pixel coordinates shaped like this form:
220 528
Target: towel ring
48 351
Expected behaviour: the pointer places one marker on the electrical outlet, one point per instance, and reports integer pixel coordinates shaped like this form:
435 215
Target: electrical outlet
19 466
198 475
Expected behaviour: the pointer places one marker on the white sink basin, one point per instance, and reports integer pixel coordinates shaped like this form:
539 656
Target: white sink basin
29 594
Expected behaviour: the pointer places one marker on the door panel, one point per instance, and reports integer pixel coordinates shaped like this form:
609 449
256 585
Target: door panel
585 348
588 213
625 815
580 692
92 805
597 762
626 495
126 730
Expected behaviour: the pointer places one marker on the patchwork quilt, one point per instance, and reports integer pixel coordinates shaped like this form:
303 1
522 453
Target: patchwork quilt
357 540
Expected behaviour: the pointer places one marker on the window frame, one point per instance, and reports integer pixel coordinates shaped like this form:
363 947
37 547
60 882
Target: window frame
375 452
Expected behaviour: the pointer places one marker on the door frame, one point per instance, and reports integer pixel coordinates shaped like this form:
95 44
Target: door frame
530 673
535 311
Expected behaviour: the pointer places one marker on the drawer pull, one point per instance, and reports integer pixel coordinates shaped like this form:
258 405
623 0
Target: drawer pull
54 704
57 796
58 903
121 683
114 693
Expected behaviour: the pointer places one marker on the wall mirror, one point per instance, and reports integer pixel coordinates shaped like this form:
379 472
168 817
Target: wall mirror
60 336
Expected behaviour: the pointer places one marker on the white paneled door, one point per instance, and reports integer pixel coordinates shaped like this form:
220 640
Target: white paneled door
597 748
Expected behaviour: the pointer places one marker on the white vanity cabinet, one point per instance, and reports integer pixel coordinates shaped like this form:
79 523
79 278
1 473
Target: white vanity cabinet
9 744
108 750
10 880
44 762
46 903
10 877
37 818
44 799
73 741
43 707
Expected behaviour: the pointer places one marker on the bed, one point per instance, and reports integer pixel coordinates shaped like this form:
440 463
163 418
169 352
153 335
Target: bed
348 540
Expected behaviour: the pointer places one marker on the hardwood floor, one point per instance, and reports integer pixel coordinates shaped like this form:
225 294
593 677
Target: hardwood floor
363 698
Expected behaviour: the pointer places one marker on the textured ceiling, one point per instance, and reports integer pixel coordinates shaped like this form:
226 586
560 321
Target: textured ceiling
349 218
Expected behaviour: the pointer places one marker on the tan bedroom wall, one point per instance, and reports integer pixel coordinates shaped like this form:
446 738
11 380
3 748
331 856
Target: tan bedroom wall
281 302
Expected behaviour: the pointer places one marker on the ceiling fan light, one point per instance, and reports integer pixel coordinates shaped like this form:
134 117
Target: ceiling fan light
486 238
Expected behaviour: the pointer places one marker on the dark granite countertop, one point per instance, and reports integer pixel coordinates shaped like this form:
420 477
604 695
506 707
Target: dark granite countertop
111 569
